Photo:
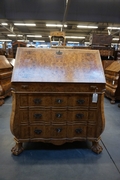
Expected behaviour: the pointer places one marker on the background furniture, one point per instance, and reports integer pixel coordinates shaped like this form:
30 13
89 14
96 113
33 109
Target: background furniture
112 74
5 78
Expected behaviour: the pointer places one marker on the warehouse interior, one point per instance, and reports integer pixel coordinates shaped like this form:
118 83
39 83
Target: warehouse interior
39 39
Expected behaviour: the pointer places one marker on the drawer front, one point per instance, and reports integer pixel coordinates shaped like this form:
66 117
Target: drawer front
59 101
58 131
40 100
76 130
78 100
91 131
112 82
92 115
23 116
24 132
42 131
77 115
22 100
40 115
59 115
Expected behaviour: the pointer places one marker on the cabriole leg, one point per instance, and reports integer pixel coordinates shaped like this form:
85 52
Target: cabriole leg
17 149
96 146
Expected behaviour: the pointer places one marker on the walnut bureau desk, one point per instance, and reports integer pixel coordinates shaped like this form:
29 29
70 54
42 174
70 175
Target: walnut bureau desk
57 97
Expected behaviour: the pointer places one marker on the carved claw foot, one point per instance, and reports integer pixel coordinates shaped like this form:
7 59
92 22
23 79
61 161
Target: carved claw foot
96 147
17 149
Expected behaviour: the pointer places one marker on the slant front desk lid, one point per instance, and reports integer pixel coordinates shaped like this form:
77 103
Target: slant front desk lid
58 65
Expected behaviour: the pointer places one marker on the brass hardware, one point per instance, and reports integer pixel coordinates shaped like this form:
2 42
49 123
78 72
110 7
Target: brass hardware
59 130
37 101
94 87
78 131
37 116
37 131
58 115
79 116
59 101
24 86
80 101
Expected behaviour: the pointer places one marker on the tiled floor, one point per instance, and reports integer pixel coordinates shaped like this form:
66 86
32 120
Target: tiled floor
73 161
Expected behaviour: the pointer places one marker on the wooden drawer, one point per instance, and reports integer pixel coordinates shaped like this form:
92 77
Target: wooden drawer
76 130
40 100
59 100
59 115
58 131
91 131
22 100
77 115
78 100
112 82
40 131
92 115
23 116
24 132
39 115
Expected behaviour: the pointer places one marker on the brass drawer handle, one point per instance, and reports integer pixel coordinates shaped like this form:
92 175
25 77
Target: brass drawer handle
37 131
94 87
37 116
78 131
37 101
79 116
59 115
80 101
59 130
59 101
24 86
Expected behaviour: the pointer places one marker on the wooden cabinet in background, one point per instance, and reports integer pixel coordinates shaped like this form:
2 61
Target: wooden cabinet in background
15 45
100 39
5 78
106 63
57 97
112 74
117 55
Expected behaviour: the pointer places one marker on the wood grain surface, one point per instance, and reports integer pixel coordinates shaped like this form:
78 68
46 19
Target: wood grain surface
58 65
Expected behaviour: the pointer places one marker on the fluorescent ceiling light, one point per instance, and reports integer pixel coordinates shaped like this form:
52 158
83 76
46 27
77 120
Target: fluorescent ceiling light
55 25
4 24
115 39
38 41
75 37
87 42
72 42
30 45
24 24
23 40
34 36
5 40
113 27
90 27
56 41
13 35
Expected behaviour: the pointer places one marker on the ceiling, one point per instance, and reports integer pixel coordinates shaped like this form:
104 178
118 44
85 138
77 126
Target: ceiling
102 13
